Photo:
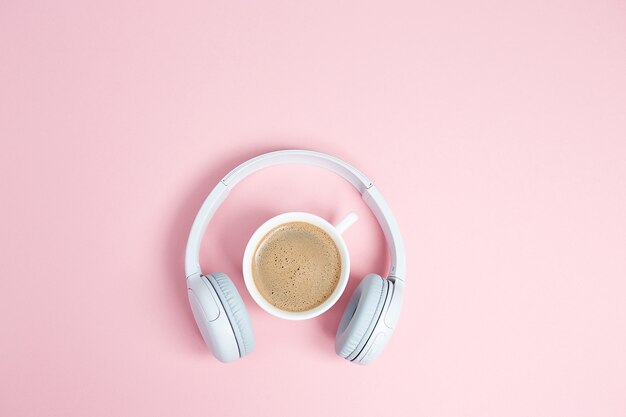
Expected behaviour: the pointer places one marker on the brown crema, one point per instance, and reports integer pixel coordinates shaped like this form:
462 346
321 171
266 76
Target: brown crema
296 266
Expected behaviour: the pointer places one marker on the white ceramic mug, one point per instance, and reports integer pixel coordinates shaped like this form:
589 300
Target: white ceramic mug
333 231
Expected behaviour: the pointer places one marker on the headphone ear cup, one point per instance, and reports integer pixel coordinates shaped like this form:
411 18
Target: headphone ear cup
360 317
235 311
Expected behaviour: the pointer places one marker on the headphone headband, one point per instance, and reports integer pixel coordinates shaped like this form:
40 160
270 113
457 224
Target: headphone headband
370 194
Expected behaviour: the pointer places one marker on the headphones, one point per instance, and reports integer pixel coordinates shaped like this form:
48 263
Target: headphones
373 311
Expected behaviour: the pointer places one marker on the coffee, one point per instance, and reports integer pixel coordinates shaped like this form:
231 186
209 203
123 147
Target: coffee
296 266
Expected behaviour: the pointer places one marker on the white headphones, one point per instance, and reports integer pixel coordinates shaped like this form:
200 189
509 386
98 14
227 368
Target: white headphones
373 310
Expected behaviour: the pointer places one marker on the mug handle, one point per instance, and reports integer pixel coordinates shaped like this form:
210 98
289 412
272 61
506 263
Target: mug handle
347 221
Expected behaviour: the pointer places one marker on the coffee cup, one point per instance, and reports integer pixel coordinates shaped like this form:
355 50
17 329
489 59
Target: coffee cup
300 262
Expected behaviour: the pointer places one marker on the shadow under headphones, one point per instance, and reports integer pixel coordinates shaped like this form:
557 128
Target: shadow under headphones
373 310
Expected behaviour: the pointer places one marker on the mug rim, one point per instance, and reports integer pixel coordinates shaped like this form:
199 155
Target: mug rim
274 222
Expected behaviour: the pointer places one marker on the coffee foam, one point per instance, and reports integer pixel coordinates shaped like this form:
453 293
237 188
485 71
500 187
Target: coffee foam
296 266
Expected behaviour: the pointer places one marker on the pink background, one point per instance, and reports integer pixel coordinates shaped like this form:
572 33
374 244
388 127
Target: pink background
496 130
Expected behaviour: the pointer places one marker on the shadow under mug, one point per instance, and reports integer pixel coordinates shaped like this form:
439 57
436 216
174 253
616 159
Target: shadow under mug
334 231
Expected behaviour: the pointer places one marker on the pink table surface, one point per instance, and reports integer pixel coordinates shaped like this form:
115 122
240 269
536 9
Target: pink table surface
496 130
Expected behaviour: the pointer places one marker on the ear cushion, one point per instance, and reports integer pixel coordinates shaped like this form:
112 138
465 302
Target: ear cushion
360 315
235 310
